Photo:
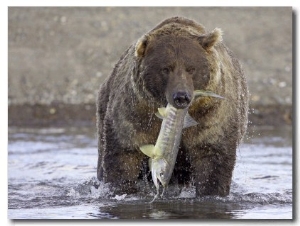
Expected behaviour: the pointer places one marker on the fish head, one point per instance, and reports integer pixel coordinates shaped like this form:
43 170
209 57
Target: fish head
206 93
161 171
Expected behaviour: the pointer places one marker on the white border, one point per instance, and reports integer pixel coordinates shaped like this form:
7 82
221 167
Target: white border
149 3
4 84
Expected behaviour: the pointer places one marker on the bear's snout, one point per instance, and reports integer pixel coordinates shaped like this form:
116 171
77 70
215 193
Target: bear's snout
181 99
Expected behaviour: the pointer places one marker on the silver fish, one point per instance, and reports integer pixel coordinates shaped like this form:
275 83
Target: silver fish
164 153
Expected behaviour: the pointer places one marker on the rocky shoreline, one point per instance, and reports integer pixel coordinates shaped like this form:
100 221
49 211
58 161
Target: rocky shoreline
85 115
58 57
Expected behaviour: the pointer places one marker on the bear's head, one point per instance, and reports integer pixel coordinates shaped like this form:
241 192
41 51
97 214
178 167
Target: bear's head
174 60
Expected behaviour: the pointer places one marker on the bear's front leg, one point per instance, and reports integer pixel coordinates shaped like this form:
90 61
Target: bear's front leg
212 172
121 169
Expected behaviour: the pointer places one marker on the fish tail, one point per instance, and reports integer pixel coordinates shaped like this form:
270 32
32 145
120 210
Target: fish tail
162 194
156 196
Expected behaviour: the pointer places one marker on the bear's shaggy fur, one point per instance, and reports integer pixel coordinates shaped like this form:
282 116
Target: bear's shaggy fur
178 54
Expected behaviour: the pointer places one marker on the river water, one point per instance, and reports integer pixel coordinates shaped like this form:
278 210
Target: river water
52 175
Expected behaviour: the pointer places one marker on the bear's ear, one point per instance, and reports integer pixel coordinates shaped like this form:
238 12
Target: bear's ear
140 46
209 40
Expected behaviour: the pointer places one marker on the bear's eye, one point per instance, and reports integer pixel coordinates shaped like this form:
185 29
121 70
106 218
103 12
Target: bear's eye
166 70
190 70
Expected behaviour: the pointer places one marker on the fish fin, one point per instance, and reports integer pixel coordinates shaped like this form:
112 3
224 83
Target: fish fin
148 150
206 93
189 121
162 112
159 115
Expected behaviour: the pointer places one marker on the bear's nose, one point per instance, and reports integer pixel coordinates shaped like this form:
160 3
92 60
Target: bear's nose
181 99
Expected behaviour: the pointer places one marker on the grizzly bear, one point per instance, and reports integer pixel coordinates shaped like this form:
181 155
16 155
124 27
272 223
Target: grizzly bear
165 66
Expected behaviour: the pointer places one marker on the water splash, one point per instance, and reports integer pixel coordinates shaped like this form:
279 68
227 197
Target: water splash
188 192
92 188
57 181
120 197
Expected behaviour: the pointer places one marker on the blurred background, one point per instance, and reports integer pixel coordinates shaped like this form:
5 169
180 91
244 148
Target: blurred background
59 56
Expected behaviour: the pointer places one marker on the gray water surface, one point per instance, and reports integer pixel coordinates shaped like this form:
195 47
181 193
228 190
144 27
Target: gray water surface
52 175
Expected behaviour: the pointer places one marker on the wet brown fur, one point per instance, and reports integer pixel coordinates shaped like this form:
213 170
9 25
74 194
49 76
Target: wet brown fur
143 80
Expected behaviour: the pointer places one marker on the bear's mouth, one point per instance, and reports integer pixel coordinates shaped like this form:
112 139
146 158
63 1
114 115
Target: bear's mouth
180 104
181 99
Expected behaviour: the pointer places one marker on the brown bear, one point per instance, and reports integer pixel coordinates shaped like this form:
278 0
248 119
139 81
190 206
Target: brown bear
165 66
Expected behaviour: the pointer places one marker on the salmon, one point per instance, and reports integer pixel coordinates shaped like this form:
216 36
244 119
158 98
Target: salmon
164 153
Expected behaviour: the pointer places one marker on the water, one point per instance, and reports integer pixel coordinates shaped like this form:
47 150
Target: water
51 175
